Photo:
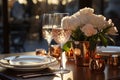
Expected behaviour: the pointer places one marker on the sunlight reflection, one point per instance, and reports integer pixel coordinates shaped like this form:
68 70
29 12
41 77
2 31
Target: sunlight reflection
34 1
37 17
53 1
22 1
68 76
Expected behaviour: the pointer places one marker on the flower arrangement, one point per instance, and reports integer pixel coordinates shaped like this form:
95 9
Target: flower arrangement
87 26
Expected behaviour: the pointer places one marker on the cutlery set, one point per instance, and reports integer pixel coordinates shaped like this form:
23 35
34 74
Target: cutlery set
53 73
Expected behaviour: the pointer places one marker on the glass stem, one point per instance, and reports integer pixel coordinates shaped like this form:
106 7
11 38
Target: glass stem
49 50
61 60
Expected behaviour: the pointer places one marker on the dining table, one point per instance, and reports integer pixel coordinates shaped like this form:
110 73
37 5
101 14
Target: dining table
75 72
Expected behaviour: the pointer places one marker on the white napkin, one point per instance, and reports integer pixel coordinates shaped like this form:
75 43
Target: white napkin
64 60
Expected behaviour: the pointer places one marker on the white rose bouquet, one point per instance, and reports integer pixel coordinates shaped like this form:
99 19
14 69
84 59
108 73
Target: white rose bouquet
87 26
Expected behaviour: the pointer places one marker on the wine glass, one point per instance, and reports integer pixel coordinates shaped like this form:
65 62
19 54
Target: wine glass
47 22
60 34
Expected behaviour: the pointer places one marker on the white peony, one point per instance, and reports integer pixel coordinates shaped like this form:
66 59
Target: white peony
86 16
86 11
65 22
112 31
89 30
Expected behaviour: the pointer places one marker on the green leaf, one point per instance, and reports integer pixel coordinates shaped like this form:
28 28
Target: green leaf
93 43
104 40
78 35
111 39
67 46
106 29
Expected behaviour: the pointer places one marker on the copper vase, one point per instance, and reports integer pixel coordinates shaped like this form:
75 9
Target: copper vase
81 53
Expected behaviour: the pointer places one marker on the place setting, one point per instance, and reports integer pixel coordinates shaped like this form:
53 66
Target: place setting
43 62
30 66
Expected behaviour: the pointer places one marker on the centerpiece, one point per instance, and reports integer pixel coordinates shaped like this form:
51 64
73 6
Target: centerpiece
88 26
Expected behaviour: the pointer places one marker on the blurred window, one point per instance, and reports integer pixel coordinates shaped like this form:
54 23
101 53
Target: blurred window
25 18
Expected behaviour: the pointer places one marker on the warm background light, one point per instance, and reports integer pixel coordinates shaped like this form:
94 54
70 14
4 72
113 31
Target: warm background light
22 1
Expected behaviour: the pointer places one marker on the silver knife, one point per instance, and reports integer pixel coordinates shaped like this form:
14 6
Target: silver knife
44 74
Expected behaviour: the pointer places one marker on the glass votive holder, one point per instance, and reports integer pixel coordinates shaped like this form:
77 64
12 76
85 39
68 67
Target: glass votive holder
55 51
80 60
113 60
40 52
97 64
78 57
81 53
70 54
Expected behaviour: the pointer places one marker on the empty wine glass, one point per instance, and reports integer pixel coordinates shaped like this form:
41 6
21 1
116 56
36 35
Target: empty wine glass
60 34
47 23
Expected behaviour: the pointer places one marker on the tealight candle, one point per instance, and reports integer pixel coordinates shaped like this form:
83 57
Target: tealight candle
77 51
40 52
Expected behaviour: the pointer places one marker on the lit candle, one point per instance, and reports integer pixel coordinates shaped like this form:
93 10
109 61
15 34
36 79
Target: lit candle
77 56
77 51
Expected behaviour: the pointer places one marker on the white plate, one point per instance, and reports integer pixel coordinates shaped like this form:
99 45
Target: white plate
110 50
27 61
28 68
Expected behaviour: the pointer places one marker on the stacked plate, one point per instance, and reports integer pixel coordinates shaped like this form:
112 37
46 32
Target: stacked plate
27 62
109 50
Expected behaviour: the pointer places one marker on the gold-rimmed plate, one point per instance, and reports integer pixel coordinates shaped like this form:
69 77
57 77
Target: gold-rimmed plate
27 61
